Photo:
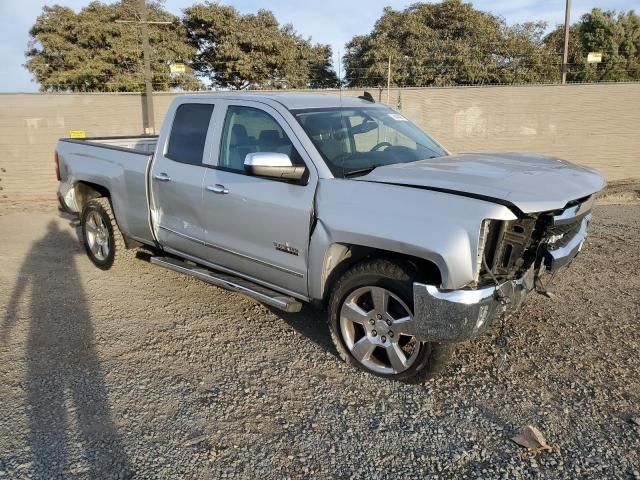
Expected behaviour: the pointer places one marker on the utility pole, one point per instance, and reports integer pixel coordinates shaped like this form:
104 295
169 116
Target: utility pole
389 81
339 71
149 124
565 50
147 96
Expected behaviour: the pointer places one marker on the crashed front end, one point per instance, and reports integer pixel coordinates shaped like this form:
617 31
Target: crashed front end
514 258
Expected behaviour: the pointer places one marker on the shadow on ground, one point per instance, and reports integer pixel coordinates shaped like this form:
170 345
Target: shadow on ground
310 322
65 386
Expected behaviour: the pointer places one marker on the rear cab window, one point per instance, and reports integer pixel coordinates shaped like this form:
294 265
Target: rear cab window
189 133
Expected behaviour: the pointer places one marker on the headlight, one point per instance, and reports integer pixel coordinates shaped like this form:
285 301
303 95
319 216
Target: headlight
508 247
482 242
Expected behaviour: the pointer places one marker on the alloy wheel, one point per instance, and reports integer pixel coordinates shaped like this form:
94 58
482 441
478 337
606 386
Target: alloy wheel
378 330
97 236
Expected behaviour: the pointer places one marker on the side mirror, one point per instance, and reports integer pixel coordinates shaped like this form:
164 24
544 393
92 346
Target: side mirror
272 165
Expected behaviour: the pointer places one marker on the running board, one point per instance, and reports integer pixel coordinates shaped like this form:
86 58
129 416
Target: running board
229 282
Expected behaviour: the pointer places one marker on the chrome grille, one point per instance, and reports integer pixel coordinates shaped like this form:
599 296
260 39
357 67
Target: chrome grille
565 232
562 227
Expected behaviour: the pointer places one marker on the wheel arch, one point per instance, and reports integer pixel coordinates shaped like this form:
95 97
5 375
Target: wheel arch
340 257
85 191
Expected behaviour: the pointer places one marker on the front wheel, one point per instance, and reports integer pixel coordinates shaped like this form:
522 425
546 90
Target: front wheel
372 324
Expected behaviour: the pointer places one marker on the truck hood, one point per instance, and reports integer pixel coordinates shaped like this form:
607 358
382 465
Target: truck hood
529 182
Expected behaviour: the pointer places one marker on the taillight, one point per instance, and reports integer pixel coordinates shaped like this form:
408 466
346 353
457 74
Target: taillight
57 160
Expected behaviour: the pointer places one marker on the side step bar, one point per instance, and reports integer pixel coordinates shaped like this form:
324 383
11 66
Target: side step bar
235 284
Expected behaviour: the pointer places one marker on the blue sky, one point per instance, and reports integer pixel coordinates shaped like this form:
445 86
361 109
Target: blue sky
330 21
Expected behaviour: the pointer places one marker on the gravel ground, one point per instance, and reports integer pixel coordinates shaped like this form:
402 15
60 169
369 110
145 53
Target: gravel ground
141 372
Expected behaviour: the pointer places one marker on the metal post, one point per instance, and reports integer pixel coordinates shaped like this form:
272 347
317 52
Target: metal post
389 82
339 70
149 127
565 50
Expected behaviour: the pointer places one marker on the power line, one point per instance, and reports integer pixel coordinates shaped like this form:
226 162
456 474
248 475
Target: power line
307 70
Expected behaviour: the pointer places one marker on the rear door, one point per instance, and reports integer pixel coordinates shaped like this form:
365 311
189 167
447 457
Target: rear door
256 226
177 175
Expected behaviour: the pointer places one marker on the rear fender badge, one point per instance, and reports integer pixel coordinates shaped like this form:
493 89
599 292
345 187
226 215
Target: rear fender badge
286 248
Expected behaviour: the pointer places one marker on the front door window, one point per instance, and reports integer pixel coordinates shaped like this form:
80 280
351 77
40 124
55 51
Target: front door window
248 130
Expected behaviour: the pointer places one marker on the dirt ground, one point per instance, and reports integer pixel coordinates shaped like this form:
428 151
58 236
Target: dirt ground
142 372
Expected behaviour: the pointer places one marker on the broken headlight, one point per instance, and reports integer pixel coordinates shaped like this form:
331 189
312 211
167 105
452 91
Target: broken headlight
482 243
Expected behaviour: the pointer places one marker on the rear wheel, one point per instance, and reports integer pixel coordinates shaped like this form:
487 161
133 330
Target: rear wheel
102 238
372 324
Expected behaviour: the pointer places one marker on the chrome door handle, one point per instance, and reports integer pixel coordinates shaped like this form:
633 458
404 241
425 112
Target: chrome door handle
162 177
217 188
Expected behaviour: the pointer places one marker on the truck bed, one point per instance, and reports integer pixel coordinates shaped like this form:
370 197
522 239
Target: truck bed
119 164
140 144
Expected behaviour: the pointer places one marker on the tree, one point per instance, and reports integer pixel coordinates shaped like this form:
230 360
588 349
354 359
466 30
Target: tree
88 51
615 35
447 43
253 51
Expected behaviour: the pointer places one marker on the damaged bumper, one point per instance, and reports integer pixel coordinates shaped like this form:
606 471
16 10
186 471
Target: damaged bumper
457 315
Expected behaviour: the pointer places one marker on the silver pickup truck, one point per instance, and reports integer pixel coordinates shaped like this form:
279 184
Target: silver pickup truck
339 202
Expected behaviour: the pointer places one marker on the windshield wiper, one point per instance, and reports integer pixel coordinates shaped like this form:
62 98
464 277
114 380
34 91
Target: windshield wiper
361 171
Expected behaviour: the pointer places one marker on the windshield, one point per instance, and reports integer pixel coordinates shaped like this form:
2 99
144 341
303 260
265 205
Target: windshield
354 141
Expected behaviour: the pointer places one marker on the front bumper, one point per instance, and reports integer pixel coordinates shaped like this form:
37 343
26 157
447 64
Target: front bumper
457 315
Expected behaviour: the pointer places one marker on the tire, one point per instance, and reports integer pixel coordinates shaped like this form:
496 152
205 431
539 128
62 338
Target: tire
102 239
352 303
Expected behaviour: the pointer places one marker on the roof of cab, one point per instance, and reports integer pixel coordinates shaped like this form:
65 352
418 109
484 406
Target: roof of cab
294 101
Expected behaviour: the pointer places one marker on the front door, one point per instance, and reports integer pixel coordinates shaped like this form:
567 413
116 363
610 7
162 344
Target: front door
258 226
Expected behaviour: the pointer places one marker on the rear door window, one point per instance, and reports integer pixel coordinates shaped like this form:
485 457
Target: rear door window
189 133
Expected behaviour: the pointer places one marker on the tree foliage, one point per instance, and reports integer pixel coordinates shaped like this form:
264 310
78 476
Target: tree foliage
447 43
90 51
615 35
253 51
